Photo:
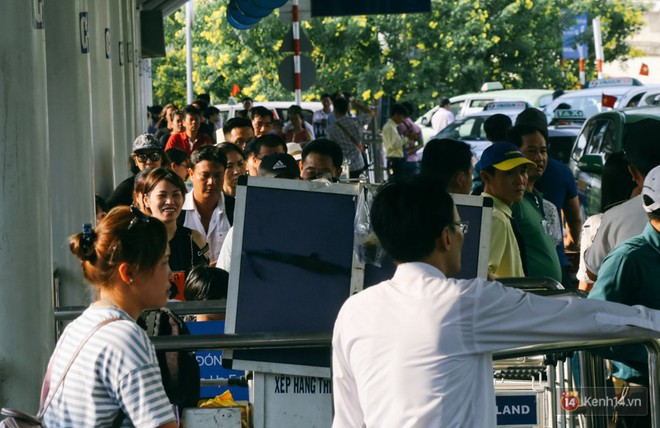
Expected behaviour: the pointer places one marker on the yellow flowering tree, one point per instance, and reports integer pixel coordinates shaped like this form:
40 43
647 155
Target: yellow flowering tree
453 49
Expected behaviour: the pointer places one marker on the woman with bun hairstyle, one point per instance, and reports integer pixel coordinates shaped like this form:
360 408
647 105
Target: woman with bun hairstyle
115 380
160 192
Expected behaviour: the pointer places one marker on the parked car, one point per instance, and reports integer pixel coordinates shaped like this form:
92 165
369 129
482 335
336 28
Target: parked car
601 135
628 93
278 107
467 104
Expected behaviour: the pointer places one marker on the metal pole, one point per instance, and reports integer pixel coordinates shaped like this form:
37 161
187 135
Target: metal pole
598 45
190 11
296 52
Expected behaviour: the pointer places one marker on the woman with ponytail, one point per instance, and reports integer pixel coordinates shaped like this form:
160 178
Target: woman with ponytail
115 380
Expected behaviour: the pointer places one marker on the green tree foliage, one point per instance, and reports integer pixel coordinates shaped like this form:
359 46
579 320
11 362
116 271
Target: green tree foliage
453 49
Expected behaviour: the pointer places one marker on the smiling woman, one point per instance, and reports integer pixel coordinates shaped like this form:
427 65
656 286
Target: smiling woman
160 192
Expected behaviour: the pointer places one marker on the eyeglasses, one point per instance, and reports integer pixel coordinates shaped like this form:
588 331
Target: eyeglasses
462 225
139 217
153 157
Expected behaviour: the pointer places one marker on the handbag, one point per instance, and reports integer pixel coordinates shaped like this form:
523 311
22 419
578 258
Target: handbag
18 419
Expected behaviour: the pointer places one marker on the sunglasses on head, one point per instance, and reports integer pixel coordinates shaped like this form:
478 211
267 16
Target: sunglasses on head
143 157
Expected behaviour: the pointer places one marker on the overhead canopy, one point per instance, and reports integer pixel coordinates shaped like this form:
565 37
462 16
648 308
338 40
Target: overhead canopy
168 7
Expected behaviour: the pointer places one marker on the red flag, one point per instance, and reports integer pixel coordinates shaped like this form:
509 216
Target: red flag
235 90
644 71
608 101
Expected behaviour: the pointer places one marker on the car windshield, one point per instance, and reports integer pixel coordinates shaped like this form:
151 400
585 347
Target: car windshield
588 104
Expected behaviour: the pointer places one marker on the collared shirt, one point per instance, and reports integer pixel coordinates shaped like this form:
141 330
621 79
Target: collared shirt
392 142
218 226
618 224
629 274
181 141
540 247
348 147
415 351
504 255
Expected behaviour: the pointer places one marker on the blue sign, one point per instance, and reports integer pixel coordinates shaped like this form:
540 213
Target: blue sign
569 48
517 409
210 363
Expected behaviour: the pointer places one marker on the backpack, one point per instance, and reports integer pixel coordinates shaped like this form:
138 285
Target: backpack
179 369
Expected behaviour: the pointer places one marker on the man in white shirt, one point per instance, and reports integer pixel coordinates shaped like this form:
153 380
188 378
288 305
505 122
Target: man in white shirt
393 143
206 209
443 117
320 118
416 350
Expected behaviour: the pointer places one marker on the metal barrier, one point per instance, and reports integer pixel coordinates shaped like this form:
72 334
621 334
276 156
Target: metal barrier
591 372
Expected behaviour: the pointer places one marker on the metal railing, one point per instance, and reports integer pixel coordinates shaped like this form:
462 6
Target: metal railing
589 376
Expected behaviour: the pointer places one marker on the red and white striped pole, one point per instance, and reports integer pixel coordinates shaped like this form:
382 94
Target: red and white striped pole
296 52
582 75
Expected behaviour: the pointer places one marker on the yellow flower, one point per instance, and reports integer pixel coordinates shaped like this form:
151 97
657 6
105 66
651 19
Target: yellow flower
414 62
421 46
366 94
434 94
378 94
433 24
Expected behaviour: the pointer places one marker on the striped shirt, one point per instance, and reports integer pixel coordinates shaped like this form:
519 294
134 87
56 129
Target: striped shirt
116 369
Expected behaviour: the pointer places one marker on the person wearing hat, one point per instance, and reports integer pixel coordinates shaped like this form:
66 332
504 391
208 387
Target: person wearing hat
279 165
629 274
641 148
532 214
504 173
147 153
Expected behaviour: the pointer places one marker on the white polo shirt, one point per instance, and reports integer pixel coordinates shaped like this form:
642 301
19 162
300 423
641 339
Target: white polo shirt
218 227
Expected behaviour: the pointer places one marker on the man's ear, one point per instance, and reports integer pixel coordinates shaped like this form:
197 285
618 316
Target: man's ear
459 179
485 177
443 242
637 176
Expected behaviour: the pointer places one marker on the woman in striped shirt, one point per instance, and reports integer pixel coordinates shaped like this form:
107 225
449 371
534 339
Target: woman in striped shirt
115 381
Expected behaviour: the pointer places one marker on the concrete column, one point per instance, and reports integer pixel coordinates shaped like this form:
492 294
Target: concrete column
121 144
129 70
26 314
102 116
71 160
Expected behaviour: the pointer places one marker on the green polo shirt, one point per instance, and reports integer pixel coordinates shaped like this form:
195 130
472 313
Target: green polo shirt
629 274
542 259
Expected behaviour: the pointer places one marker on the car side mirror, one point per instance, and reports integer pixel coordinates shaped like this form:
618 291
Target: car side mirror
591 163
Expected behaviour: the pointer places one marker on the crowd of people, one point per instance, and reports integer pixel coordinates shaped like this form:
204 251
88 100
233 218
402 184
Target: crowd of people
175 214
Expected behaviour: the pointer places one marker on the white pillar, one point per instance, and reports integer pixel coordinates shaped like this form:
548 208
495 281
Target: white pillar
129 70
26 316
70 143
102 53
122 143
190 13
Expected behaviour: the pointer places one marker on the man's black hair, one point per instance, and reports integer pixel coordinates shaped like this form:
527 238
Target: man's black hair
203 105
206 283
516 134
340 105
208 153
324 147
246 99
444 102
497 126
445 157
398 109
641 144
176 156
226 147
267 140
409 215
204 97
191 110
236 122
210 111
260 111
